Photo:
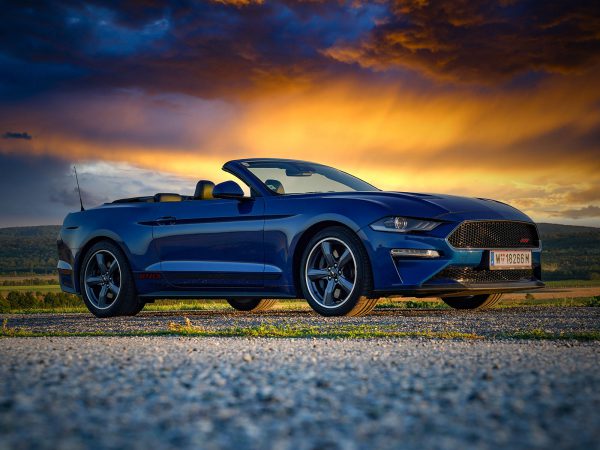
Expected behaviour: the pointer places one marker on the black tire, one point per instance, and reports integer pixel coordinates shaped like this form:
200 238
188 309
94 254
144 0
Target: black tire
473 301
251 304
138 309
97 285
326 284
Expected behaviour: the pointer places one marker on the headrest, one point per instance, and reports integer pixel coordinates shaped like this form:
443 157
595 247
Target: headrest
204 190
275 186
163 197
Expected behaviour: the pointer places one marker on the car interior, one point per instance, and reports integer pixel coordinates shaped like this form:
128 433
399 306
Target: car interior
203 191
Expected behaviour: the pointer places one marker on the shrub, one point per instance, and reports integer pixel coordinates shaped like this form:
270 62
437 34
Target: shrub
4 305
594 301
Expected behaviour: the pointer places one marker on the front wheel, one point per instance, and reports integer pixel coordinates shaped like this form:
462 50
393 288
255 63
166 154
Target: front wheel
336 274
251 304
473 301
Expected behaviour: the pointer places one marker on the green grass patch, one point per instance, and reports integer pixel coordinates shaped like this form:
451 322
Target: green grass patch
258 331
35 288
411 304
306 331
539 334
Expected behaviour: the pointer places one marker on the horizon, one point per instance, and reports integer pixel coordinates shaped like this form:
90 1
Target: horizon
495 100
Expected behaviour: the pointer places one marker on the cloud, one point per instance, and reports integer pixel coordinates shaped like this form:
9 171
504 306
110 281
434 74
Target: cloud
42 188
588 195
207 49
479 41
588 211
239 2
16 135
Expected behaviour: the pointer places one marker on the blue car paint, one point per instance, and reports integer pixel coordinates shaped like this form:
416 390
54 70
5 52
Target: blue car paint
211 248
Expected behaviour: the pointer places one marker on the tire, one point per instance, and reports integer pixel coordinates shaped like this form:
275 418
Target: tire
106 282
251 304
473 301
335 274
138 309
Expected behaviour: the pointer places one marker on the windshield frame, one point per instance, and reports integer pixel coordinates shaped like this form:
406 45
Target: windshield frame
352 182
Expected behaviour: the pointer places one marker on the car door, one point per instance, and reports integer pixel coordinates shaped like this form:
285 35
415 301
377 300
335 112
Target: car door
208 244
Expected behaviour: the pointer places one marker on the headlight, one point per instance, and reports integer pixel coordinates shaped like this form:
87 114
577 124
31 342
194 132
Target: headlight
404 224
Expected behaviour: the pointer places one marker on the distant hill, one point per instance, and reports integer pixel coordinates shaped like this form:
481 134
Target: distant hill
551 230
570 252
28 250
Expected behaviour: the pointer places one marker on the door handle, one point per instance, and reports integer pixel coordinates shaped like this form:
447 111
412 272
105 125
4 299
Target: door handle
166 220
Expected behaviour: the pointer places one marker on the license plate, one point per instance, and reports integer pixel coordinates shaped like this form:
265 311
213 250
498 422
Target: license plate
510 259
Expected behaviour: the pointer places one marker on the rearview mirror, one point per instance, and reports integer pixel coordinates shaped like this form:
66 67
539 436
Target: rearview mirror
228 189
299 172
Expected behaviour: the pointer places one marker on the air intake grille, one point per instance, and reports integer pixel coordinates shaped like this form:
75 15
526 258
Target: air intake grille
470 275
494 234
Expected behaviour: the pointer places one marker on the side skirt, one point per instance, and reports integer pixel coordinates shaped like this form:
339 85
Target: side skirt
207 294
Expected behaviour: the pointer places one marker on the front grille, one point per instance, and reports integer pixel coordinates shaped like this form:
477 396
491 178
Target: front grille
471 275
495 234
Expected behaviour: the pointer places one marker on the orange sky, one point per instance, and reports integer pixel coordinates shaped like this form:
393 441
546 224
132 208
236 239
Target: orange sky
374 106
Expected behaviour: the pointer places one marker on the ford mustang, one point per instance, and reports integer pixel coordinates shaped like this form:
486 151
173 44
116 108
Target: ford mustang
297 230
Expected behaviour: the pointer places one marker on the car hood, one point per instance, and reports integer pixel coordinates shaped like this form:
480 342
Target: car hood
440 206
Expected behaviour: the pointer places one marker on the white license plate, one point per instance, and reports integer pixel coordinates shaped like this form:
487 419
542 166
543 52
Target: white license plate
510 259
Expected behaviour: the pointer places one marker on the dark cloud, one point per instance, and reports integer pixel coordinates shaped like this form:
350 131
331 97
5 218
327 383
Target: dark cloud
16 135
40 190
581 213
484 41
25 183
208 49
228 48
70 197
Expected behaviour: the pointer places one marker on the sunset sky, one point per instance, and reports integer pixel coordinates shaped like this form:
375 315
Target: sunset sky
480 98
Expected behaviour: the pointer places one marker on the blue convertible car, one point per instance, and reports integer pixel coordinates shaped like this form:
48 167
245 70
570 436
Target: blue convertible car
300 230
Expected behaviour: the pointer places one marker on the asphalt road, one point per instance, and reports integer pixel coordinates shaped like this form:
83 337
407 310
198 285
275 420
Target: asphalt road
258 393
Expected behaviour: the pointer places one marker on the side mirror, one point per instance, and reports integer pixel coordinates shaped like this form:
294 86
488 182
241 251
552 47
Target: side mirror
228 189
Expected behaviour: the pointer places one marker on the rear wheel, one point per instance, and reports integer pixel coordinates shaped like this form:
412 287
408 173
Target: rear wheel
473 301
251 304
336 274
106 282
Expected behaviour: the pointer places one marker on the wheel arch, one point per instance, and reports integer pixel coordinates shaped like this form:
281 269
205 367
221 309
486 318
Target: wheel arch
303 240
83 251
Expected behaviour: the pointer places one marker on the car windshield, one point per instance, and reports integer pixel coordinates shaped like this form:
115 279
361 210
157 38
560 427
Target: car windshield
298 177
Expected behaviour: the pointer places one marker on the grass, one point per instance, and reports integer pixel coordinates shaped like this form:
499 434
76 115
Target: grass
572 283
35 288
301 305
262 331
303 331
564 302
539 334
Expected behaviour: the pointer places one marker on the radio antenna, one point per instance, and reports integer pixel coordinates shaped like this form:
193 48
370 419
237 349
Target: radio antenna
78 189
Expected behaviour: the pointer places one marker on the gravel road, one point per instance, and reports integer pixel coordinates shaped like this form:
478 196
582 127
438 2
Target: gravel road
214 393
486 323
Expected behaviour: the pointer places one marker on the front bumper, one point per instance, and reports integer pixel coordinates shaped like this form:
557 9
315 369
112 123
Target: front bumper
420 276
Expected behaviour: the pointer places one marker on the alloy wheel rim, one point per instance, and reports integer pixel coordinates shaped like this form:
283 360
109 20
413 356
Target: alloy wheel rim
330 272
102 278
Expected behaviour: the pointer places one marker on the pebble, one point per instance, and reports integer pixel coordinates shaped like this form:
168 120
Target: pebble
257 393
